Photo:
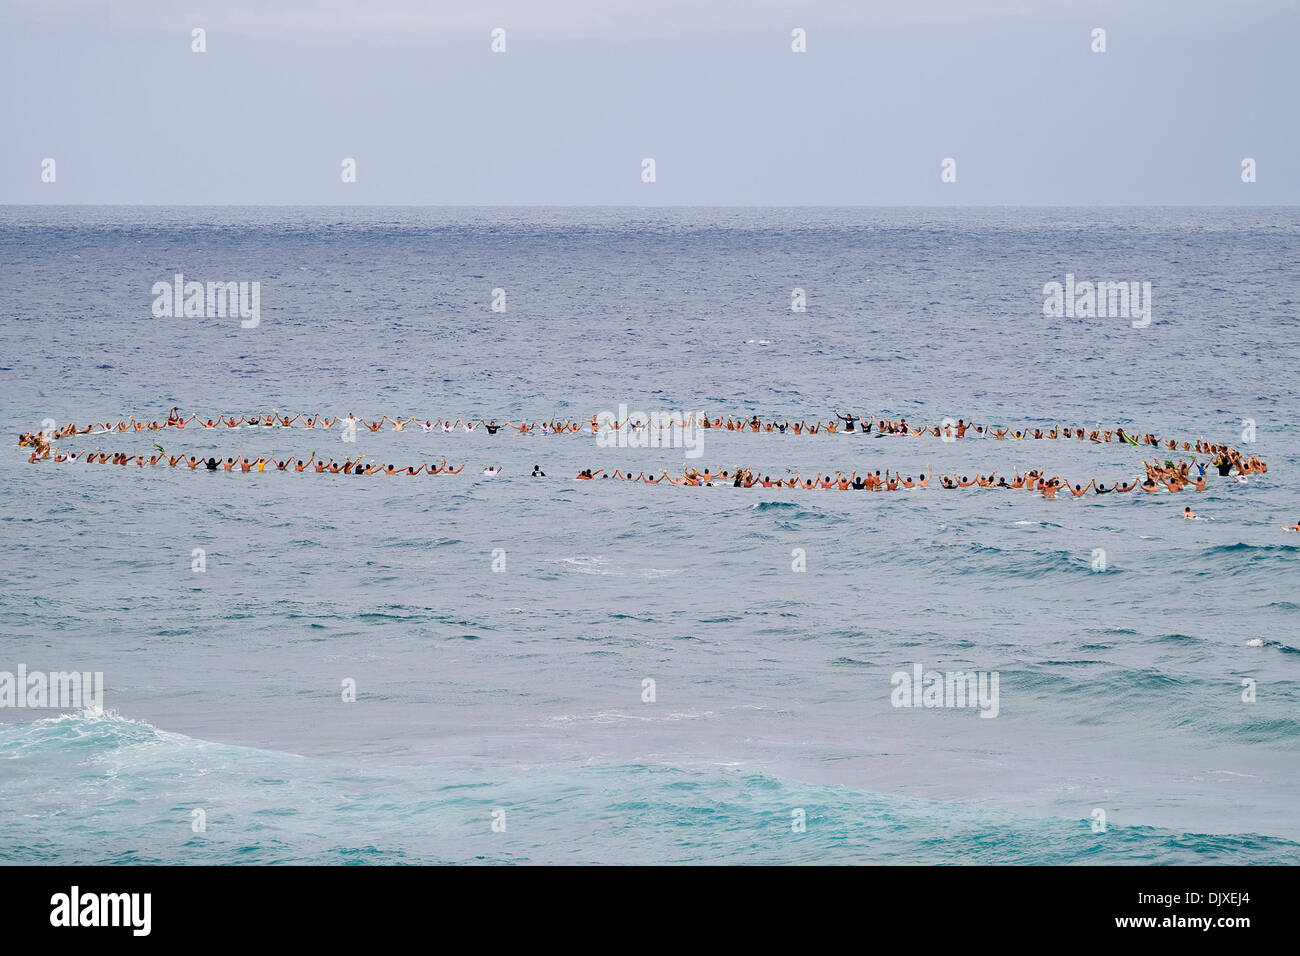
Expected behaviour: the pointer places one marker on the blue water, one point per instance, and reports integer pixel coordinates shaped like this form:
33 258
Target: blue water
521 691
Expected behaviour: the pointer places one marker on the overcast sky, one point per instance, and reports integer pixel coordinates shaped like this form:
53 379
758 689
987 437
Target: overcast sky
710 89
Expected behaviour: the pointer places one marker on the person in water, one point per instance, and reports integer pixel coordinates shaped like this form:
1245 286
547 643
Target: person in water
1175 477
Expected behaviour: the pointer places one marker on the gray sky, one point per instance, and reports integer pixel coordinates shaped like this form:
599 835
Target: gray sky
709 88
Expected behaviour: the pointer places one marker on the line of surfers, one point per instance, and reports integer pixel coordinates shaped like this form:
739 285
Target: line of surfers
347 467
1225 460
840 424
1173 477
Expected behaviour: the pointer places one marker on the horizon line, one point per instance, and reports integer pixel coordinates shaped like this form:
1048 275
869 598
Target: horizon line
546 205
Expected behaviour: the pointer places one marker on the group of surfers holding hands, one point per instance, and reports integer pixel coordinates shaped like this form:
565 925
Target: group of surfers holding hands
349 466
1158 477
843 424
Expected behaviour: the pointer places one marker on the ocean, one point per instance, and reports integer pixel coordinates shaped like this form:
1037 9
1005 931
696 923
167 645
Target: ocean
555 671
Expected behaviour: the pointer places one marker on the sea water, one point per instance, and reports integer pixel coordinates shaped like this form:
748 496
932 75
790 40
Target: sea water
552 671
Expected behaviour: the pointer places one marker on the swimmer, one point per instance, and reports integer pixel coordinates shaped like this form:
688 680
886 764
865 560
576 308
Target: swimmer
1080 490
537 473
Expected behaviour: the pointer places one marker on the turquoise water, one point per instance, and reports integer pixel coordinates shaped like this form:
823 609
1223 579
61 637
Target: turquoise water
132 790
522 690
